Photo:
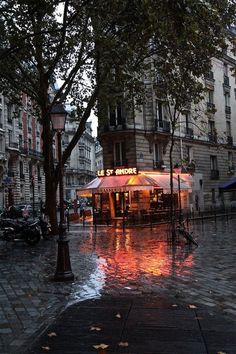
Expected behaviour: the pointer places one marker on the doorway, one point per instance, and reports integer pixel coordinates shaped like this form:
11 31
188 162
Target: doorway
121 201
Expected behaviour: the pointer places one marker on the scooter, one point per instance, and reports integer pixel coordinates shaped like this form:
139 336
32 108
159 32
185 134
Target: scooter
19 230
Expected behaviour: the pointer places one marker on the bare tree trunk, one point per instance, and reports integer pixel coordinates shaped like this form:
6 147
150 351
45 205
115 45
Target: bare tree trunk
49 170
172 216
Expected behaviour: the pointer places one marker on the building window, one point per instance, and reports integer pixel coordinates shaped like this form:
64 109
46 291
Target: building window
115 115
1 143
228 128
1 118
227 99
210 97
189 154
9 113
119 154
212 134
10 137
21 170
214 167
157 152
160 111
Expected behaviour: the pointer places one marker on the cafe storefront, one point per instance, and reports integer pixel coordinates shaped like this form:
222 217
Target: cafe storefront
135 194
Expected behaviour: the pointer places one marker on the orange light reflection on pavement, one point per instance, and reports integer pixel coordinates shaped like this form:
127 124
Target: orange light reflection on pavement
126 256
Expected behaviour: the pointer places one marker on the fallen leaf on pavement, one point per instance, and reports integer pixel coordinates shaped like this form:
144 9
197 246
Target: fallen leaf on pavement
101 346
93 328
174 305
46 348
192 306
118 315
123 344
52 334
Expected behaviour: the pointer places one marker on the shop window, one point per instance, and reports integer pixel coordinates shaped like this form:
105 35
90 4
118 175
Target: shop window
156 200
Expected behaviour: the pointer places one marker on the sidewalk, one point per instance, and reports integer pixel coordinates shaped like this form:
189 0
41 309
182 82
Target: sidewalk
137 326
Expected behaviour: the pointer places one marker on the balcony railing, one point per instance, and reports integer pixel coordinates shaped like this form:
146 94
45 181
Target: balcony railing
35 153
22 176
23 150
13 145
162 125
212 137
215 174
189 133
211 106
209 75
227 109
10 174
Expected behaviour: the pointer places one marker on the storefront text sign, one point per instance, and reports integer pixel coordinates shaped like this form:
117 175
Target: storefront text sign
117 172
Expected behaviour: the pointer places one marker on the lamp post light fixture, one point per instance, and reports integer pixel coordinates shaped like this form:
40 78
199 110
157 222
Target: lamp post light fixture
63 270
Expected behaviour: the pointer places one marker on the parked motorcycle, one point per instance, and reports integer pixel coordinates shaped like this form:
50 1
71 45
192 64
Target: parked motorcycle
19 230
45 228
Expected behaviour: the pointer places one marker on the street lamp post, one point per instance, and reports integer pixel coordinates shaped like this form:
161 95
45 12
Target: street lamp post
63 270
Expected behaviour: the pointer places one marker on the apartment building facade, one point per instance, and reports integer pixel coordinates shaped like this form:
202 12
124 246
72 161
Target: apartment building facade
205 141
21 160
22 179
80 167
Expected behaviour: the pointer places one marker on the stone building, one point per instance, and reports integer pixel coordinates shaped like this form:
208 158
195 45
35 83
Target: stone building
205 145
80 167
21 162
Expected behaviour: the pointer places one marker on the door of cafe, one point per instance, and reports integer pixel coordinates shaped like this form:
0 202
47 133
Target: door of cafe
121 201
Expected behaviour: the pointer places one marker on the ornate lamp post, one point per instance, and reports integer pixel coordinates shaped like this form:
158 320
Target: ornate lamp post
63 270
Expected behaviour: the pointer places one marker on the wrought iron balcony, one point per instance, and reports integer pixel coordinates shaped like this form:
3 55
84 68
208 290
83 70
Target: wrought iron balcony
162 125
212 137
189 133
211 106
209 75
13 145
227 109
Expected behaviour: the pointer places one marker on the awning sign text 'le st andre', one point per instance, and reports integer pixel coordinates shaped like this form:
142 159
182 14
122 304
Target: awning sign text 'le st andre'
117 172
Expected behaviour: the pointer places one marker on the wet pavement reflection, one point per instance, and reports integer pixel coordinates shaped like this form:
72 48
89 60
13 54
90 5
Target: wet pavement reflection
138 261
143 261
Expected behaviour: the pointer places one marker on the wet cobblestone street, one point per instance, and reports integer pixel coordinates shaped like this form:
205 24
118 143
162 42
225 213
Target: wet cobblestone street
137 262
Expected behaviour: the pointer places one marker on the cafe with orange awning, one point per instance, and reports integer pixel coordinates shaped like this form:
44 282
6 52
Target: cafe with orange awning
131 193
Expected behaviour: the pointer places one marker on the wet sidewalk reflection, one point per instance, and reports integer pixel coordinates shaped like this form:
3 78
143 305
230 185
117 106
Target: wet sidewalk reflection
142 261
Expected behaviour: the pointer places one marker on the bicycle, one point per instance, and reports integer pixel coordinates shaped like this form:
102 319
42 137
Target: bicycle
182 230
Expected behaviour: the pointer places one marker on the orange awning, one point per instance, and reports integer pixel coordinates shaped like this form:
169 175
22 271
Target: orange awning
126 183
163 181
